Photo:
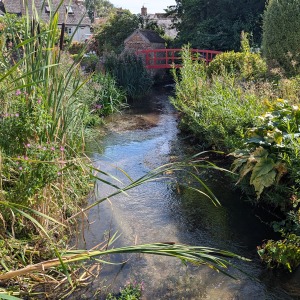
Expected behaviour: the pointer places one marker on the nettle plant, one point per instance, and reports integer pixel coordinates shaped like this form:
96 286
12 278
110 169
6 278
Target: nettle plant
269 147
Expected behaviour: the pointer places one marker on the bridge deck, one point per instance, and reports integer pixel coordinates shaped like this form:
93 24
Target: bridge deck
171 58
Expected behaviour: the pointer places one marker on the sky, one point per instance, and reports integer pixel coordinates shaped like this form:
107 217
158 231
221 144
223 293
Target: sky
153 6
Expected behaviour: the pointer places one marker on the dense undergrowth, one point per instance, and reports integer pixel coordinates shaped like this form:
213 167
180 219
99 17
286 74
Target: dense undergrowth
233 106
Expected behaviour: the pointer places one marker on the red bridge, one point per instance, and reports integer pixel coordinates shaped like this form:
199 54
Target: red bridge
170 58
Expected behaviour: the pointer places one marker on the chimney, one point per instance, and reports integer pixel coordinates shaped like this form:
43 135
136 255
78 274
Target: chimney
144 11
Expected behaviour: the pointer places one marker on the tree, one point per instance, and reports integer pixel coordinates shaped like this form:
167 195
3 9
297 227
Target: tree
111 35
217 24
147 23
99 8
281 39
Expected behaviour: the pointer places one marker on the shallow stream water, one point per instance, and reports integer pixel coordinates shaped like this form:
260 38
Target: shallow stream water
137 141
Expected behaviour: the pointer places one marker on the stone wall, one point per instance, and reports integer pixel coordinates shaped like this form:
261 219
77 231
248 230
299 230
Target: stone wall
136 42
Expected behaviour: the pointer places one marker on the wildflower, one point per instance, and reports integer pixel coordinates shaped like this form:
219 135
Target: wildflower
97 106
20 168
58 173
44 148
26 157
62 149
16 115
52 148
27 145
18 92
39 101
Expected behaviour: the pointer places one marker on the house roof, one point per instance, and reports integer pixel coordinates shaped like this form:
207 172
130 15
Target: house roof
77 10
150 35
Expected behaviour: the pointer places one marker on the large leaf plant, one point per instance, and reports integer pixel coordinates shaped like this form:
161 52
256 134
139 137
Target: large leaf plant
269 146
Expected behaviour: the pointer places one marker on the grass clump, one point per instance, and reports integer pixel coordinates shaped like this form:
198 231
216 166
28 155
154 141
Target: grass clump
130 74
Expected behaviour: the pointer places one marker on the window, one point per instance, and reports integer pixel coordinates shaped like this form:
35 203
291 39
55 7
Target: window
47 9
69 9
68 30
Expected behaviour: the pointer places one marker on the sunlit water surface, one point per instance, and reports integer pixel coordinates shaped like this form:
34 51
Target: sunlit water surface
137 141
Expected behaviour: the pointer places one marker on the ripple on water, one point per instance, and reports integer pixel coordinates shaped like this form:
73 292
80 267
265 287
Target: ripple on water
138 142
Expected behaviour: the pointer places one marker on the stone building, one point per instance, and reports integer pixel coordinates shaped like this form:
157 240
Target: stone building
143 39
71 14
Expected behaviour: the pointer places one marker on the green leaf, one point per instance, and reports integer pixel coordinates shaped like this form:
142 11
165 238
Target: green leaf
8 297
263 181
263 167
259 153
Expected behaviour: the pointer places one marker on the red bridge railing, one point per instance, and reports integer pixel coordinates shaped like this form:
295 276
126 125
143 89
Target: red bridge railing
169 58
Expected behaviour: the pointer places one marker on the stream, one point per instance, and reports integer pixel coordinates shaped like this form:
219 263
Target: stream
137 141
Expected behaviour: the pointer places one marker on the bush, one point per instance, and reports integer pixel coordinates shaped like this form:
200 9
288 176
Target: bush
130 74
283 253
271 156
244 64
89 62
216 109
281 39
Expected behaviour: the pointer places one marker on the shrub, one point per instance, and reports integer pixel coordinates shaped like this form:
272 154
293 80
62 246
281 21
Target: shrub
269 146
89 62
130 74
270 162
281 26
283 253
216 109
244 64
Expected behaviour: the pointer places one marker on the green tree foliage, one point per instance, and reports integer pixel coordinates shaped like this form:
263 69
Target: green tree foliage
217 24
147 23
99 8
281 39
111 35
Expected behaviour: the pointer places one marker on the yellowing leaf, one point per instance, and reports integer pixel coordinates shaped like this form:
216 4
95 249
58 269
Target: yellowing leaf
246 169
263 167
261 182
260 152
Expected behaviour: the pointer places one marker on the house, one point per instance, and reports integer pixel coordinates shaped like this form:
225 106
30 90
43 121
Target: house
161 19
71 13
142 39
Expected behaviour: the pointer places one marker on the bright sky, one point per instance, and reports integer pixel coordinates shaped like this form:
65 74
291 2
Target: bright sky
153 6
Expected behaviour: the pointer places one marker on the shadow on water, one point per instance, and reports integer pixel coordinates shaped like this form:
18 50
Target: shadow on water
144 138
